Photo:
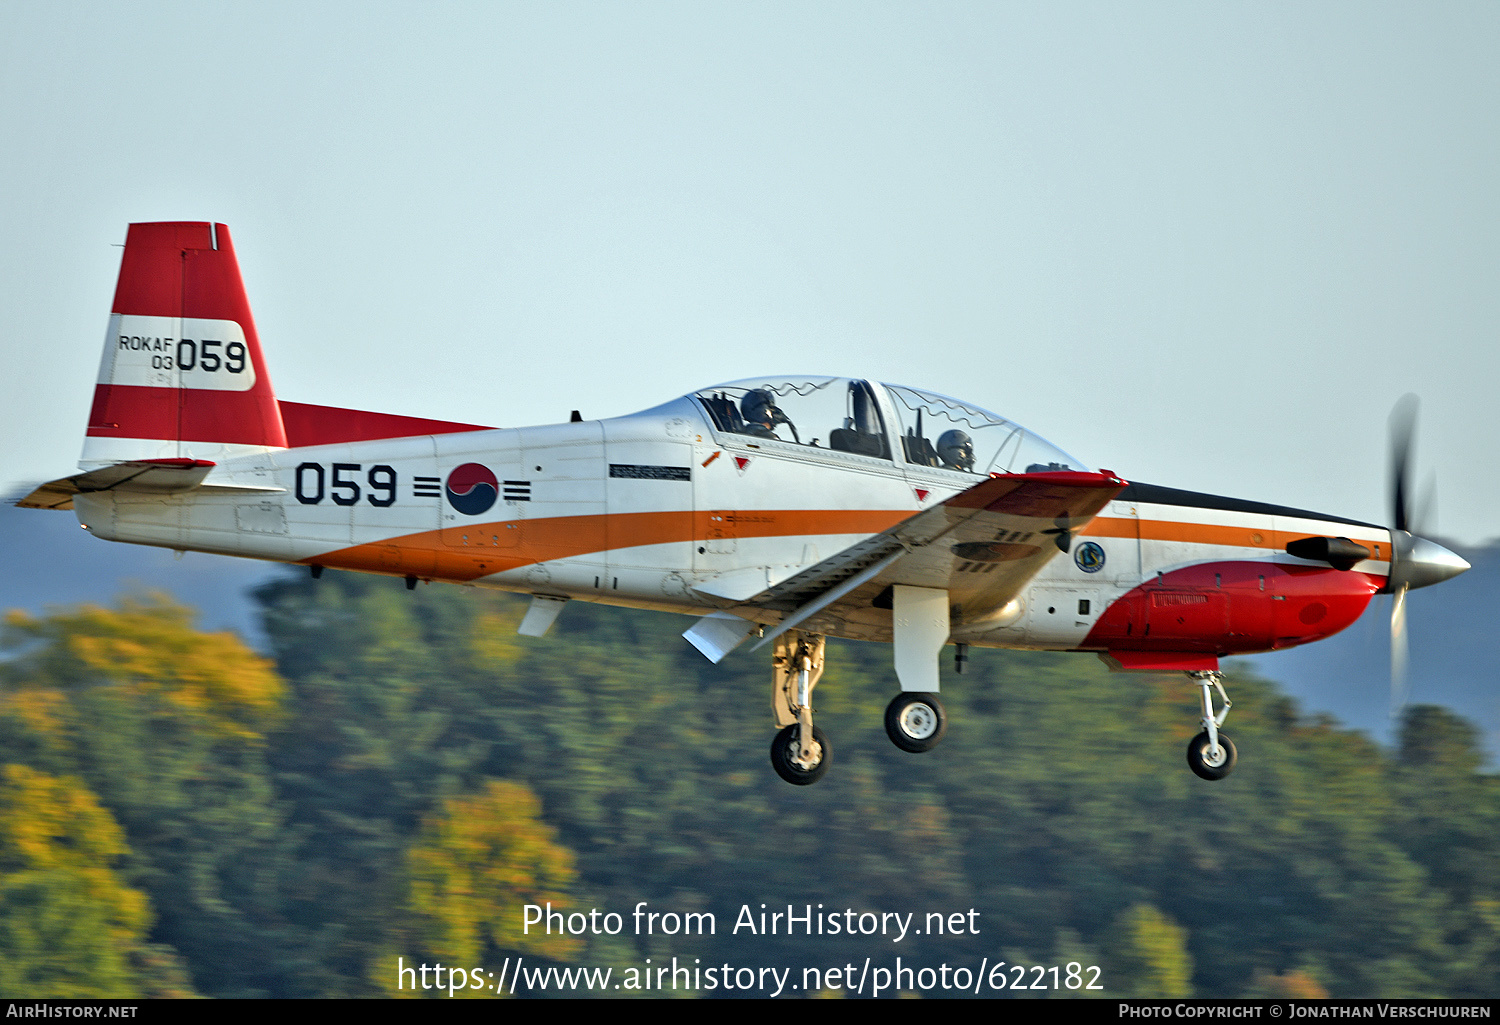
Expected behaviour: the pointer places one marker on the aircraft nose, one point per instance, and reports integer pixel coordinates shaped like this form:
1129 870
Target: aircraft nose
1426 562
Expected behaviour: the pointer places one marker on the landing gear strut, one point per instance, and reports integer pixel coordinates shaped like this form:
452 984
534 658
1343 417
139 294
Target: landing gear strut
800 753
1211 754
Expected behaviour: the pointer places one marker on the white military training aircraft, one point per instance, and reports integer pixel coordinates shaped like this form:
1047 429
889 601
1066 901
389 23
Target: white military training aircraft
787 509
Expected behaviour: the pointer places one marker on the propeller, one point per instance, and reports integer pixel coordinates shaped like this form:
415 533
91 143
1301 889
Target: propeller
1403 429
1415 561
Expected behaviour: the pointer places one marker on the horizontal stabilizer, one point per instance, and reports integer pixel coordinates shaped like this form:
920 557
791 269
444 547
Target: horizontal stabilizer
160 476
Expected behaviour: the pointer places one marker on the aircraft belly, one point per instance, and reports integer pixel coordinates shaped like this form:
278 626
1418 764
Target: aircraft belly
1052 616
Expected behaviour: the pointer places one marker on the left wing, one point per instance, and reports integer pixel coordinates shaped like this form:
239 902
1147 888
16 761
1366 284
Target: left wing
981 547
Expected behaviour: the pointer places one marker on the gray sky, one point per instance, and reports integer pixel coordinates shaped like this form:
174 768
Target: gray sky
1203 245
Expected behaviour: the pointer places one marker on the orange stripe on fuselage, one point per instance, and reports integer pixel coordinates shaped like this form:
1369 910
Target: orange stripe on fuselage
442 554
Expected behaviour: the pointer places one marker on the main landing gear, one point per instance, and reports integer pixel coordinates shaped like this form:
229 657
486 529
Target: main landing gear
1211 754
914 720
792 763
800 753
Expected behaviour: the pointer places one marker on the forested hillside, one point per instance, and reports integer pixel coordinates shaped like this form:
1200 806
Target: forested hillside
180 815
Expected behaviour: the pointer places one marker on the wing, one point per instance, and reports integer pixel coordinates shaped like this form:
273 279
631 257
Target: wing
982 547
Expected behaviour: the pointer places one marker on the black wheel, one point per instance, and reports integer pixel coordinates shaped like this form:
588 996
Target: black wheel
784 757
915 722
1211 764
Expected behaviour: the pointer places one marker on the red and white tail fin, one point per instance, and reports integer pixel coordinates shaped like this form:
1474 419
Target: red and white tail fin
182 374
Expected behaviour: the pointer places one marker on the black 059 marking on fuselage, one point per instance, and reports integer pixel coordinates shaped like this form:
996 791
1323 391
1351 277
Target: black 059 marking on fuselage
313 482
1153 494
630 471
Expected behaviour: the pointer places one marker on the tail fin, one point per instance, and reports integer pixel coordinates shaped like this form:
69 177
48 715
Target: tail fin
182 374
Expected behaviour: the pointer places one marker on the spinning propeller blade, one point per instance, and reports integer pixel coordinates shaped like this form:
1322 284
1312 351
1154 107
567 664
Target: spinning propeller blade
1398 651
1403 427
1403 432
1415 561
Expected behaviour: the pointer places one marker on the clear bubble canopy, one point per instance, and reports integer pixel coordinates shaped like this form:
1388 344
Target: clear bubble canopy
849 415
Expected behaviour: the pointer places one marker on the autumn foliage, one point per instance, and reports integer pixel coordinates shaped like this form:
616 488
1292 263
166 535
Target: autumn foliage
400 774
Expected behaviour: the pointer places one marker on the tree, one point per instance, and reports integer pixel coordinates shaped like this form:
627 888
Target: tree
1149 951
167 725
69 925
1446 817
473 869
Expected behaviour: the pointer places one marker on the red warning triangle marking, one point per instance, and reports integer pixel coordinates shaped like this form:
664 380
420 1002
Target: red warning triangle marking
742 462
922 494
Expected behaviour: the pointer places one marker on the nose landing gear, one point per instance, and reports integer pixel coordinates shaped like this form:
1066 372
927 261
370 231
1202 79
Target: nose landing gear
1210 762
1211 754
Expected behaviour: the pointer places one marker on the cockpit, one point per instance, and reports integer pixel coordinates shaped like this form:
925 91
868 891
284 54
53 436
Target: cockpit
879 422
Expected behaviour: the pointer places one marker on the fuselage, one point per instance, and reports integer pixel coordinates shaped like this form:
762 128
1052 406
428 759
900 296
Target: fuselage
666 510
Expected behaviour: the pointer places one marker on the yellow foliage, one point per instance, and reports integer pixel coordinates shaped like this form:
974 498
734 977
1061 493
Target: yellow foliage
44 712
51 824
474 868
1151 950
493 640
149 647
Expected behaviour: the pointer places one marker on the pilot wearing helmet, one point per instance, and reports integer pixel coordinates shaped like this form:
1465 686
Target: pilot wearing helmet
956 450
761 414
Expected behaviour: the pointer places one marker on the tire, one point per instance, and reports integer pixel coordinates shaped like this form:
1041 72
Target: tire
916 722
1199 761
784 757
